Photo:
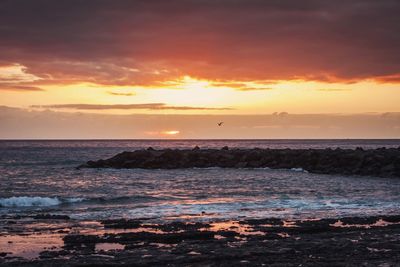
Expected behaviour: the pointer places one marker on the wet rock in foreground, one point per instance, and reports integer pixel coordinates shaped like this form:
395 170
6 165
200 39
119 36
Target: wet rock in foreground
50 217
350 241
379 162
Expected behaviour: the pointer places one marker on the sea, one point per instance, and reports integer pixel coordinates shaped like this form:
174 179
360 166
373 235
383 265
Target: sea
40 177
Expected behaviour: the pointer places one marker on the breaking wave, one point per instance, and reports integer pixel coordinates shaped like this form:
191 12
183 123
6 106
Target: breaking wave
26 201
36 201
298 170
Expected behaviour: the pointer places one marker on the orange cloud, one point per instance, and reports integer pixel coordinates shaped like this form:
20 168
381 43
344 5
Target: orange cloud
395 78
121 94
333 90
148 106
150 42
20 88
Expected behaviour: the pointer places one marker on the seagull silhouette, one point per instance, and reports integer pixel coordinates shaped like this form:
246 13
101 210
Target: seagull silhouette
220 123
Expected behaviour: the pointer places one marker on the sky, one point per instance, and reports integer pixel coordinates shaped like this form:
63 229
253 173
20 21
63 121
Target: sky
320 64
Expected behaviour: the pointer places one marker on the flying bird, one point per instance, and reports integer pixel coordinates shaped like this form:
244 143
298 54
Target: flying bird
220 123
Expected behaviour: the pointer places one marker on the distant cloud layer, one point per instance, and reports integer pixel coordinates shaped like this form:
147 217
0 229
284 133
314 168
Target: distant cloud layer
21 123
145 42
19 88
148 106
121 94
333 90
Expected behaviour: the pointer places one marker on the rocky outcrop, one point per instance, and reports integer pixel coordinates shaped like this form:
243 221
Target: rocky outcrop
380 162
342 241
351 241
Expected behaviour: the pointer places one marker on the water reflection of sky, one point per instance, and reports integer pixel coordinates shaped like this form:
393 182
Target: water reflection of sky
199 194
45 169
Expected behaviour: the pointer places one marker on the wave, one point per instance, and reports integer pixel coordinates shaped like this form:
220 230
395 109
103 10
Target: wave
123 199
26 201
298 170
36 201
250 168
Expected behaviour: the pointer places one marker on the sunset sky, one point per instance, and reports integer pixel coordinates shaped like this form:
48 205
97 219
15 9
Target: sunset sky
208 57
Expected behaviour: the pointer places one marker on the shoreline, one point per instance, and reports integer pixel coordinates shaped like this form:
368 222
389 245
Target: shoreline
350 241
380 162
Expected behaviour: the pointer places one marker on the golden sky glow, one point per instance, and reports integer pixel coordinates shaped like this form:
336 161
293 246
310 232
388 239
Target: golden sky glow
230 97
171 132
190 57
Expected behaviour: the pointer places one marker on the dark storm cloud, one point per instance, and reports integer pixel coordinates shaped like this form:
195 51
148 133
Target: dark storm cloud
147 106
149 41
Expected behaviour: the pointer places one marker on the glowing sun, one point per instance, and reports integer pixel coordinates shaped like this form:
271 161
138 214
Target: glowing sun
171 133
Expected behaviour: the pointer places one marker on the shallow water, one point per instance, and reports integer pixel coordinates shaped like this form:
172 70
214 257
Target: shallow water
40 177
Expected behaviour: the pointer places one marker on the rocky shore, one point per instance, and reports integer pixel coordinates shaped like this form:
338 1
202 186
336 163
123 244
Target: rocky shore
381 162
351 241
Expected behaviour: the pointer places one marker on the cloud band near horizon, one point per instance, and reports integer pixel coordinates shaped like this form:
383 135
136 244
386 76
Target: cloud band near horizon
147 106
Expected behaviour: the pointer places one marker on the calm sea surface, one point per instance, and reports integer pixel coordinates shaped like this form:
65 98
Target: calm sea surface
40 176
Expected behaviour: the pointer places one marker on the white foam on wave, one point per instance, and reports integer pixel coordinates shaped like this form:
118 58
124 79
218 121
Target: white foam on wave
248 168
35 201
298 170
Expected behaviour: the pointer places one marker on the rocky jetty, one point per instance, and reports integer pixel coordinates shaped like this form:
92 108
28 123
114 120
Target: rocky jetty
382 162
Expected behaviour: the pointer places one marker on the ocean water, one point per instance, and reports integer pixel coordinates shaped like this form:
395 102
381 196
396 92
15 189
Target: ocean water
40 177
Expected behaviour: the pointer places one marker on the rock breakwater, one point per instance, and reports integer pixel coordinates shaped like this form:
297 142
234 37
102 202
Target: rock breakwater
381 162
